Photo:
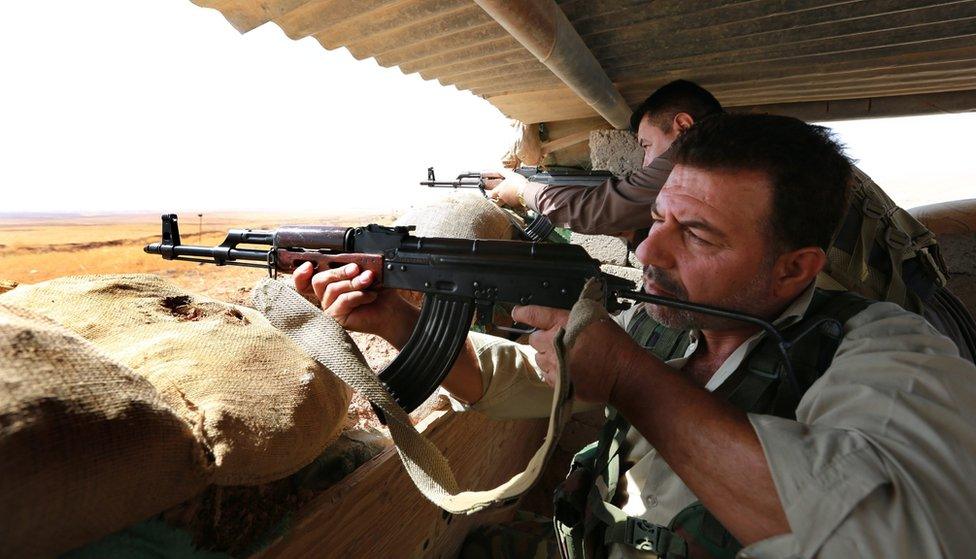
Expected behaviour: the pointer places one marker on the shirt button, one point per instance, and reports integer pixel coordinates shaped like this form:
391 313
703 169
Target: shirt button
651 501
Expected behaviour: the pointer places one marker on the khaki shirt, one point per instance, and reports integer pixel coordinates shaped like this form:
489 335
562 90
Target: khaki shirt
881 461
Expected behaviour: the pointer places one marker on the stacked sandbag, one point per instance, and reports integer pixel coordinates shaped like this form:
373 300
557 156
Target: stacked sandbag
258 402
461 215
954 225
86 446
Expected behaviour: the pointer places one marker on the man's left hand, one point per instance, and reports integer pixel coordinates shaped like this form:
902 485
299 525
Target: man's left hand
504 188
594 361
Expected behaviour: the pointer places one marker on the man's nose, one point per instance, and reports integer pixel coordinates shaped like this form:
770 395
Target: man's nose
655 249
648 156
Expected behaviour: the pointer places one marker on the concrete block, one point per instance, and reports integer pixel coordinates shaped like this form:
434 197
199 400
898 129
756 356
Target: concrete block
616 151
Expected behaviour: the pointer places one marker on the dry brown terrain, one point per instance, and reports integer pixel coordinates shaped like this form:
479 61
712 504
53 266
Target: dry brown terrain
34 249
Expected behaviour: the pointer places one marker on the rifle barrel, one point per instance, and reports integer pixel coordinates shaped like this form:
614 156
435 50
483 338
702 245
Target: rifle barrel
217 255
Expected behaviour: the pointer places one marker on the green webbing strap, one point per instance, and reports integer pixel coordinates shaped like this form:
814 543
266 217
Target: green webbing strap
665 343
606 463
705 532
762 370
613 458
897 241
572 537
619 528
871 213
636 533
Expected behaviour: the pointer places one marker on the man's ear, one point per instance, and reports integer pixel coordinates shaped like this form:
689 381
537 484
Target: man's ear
682 122
794 271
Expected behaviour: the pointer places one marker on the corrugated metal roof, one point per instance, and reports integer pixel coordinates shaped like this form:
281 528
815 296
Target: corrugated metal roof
747 52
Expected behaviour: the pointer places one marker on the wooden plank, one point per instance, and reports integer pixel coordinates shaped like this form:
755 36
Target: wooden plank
877 107
377 511
565 142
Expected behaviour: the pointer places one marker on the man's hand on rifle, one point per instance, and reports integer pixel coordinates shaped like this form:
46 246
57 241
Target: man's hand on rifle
504 189
343 296
600 352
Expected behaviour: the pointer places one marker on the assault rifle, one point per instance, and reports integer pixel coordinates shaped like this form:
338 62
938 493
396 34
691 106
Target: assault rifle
539 227
461 279
559 176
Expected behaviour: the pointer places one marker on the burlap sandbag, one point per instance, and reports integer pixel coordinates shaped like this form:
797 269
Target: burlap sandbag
954 225
460 215
262 406
86 446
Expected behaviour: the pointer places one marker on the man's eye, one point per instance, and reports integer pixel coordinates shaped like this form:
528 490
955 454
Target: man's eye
695 238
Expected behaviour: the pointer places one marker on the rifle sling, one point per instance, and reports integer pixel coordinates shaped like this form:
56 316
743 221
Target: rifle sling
322 338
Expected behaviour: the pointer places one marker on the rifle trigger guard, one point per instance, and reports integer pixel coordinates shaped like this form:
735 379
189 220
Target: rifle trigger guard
518 328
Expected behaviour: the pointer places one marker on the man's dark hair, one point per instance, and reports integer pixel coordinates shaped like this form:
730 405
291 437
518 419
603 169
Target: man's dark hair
679 96
806 167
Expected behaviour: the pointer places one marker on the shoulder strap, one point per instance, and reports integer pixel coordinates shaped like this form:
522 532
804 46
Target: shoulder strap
665 343
813 341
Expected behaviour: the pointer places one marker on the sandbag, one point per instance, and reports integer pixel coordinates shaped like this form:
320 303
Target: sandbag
954 225
262 406
461 215
87 446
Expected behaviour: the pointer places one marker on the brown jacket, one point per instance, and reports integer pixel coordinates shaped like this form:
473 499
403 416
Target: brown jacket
615 206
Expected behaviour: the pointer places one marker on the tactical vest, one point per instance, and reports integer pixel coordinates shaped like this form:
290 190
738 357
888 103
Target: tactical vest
586 521
881 252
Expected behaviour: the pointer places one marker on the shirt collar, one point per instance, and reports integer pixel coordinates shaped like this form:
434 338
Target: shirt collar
790 315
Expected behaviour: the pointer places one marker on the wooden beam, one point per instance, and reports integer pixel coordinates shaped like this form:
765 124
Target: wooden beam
377 512
872 107
565 142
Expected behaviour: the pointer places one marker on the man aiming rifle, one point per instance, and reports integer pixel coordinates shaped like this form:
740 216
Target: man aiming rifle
880 251
706 453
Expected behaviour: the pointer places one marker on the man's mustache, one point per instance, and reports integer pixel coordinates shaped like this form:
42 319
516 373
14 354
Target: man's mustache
661 279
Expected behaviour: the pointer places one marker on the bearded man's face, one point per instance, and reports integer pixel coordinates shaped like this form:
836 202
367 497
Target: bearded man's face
710 244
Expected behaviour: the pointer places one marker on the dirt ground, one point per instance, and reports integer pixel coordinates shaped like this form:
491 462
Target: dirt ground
37 249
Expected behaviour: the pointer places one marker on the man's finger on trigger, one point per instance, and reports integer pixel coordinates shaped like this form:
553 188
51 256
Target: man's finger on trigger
533 315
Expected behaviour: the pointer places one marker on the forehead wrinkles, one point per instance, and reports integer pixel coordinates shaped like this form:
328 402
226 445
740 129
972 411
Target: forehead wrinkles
678 192
729 201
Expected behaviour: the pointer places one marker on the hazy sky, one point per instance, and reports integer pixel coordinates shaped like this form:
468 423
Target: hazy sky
158 105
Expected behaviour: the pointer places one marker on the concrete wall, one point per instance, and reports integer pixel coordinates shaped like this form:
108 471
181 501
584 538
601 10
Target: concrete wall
616 151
